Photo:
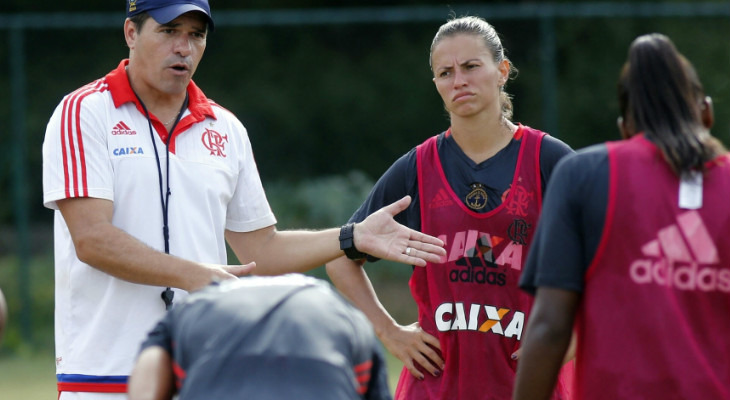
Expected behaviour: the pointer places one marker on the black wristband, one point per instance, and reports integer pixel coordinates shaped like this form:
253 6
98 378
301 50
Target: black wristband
347 243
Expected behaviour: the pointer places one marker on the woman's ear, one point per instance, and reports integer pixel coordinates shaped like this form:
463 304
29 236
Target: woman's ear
622 128
504 68
706 112
626 126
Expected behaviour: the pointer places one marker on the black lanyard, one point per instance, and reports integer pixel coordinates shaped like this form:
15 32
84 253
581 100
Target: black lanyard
167 295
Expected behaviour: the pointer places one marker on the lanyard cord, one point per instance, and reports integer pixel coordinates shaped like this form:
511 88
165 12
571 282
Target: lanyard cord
167 295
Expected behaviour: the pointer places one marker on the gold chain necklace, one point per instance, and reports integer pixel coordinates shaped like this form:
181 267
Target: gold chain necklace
172 120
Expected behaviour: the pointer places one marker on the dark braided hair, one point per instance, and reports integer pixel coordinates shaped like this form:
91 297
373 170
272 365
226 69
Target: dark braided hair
661 95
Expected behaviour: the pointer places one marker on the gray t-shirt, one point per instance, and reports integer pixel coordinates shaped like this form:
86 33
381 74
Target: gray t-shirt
281 337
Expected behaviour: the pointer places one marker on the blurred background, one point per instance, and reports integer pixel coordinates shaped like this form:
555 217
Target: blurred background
332 92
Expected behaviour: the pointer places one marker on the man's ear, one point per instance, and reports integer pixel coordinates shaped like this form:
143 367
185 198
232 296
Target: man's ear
130 32
707 113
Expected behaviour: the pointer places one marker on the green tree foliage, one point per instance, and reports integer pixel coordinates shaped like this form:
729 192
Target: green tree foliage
322 100
592 52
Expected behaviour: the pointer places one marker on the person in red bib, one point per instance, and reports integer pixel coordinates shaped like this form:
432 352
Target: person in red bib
640 228
478 187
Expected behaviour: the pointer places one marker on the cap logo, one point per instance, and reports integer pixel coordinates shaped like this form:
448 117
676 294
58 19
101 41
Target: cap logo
132 5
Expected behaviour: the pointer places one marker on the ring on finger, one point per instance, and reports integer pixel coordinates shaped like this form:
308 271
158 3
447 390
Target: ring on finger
408 251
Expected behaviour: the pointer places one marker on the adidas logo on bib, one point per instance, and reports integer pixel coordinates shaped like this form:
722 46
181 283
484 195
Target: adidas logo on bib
684 257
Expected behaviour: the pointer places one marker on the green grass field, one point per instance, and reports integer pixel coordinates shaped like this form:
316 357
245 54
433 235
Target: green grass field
33 377
29 377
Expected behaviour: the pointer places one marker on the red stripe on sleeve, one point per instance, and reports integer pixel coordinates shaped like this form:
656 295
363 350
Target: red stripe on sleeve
362 374
63 147
72 182
364 366
180 374
363 378
82 158
71 119
92 387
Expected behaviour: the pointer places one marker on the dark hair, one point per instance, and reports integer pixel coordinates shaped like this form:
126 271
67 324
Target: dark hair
471 25
139 19
660 95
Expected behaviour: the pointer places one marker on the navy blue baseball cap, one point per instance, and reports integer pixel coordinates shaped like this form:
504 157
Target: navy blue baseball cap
164 11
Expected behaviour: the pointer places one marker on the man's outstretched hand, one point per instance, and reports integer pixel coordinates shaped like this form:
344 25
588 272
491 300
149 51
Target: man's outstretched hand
379 235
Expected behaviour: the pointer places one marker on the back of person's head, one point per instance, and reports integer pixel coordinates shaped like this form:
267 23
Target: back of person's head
661 95
471 25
